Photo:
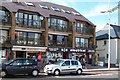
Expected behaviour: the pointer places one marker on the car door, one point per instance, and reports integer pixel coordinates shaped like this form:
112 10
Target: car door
15 67
65 67
74 65
28 66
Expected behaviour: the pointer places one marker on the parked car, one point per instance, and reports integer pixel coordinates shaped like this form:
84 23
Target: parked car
63 66
20 66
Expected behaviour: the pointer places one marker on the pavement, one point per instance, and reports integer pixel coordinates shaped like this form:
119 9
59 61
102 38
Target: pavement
93 68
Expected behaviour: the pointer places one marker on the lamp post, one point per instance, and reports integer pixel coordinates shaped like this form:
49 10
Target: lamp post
108 11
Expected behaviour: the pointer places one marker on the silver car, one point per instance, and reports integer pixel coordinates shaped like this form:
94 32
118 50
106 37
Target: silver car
64 66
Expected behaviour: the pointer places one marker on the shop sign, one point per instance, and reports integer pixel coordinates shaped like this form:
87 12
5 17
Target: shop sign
64 50
53 49
91 51
77 50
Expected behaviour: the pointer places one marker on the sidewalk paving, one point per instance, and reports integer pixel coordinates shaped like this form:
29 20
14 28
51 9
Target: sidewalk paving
91 68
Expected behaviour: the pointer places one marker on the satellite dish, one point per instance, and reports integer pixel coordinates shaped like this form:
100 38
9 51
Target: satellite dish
41 17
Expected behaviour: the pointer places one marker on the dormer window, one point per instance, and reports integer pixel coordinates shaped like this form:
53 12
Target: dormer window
55 9
76 13
43 6
66 11
29 4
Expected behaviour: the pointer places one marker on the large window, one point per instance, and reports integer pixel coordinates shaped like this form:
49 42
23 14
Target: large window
3 36
28 38
81 42
4 16
56 40
29 20
57 24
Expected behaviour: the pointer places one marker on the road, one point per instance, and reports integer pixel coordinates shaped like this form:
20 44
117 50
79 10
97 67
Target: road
101 75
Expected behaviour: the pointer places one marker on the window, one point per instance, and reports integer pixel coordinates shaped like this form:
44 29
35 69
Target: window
56 9
105 42
56 40
4 16
29 20
66 63
43 6
76 13
66 11
81 42
107 56
3 36
74 62
29 4
28 62
57 24
17 63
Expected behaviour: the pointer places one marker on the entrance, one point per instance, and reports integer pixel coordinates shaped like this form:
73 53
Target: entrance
20 54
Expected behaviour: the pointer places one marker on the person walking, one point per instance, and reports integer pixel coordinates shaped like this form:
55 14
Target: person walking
83 63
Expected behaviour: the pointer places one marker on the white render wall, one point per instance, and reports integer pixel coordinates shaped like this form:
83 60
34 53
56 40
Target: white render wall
102 50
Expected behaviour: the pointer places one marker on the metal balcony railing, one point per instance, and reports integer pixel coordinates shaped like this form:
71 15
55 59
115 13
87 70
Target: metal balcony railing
57 43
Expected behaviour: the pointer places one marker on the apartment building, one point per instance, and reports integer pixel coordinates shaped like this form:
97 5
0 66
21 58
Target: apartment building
31 28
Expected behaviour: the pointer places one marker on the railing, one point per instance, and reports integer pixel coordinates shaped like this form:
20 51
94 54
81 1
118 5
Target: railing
4 39
85 30
57 27
28 23
30 41
57 43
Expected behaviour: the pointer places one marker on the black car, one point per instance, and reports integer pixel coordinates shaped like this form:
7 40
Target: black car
20 66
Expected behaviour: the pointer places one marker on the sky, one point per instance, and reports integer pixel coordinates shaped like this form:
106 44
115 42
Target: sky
91 9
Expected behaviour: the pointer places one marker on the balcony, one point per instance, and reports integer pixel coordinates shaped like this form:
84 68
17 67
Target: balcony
4 40
29 42
28 23
57 27
85 30
57 43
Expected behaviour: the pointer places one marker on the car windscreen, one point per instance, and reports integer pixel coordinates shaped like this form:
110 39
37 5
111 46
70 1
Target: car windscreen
59 62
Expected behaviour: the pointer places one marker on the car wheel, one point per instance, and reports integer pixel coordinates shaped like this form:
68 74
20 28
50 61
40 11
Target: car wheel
57 72
79 71
35 73
3 73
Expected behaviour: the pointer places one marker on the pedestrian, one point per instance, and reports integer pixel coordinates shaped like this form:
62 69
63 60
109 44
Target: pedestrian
83 63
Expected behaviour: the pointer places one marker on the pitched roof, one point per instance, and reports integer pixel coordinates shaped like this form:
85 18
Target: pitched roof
114 32
14 7
104 36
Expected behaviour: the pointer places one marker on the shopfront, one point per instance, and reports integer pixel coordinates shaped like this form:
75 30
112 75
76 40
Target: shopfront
69 53
27 51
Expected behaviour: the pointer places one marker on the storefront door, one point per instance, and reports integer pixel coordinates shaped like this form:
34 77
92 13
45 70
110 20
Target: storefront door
20 54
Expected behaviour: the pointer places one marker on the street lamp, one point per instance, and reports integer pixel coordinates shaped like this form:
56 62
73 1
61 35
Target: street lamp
108 11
